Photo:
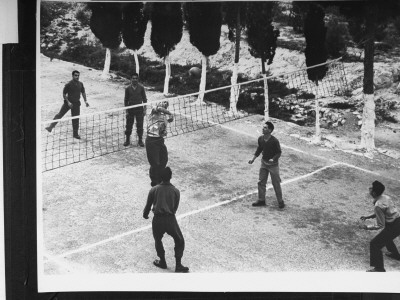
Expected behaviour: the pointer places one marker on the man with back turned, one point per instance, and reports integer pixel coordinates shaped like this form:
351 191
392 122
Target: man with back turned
164 198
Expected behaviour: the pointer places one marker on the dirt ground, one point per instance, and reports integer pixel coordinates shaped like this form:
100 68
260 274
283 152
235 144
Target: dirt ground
91 210
105 196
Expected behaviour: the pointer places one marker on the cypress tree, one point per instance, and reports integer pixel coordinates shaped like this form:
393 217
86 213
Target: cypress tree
166 24
262 37
316 53
367 16
166 32
315 34
106 25
134 24
235 13
204 21
261 34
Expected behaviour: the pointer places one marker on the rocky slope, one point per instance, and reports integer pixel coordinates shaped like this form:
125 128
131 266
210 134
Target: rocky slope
340 117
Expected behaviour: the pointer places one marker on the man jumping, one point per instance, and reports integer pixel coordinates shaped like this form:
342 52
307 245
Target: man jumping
72 92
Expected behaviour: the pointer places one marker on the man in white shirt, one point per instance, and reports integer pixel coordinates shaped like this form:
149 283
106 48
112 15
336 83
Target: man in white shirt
388 219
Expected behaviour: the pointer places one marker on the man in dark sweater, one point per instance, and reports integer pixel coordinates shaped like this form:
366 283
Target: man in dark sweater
271 150
71 93
164 198
135 94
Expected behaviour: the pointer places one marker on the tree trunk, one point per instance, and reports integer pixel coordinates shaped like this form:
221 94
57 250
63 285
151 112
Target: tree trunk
266 98
368 123
135 55
368 119
317 122
203 79
235 89
167 74
107 63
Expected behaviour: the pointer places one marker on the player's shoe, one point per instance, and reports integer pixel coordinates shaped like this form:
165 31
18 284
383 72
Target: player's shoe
181 269
376 270
259 203
160 264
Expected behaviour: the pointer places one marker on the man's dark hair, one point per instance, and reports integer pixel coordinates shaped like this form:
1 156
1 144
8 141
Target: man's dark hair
75 72
166 174
378 188
270 125
135 74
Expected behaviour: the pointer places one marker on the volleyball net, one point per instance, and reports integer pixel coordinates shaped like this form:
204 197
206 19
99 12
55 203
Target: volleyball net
104 132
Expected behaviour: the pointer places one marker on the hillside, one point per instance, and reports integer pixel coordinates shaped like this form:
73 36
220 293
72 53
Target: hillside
387 78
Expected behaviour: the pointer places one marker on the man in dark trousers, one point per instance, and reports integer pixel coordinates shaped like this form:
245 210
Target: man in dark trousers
135 94
156 150
71 93
388 219
165 201
271 150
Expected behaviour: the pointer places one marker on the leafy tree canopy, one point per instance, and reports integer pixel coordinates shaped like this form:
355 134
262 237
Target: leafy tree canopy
204 22
260 32
315 33
167 26
230 12
134 24
106 23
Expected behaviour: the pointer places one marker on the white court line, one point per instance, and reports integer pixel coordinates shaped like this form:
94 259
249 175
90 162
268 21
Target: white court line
304 152
59 261
255 136
335 163
368 171
87 247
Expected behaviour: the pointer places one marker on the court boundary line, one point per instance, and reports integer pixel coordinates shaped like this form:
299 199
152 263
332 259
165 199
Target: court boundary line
314 155
190 213
334 163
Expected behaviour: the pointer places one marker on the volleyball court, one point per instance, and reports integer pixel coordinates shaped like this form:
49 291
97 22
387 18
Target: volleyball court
92 209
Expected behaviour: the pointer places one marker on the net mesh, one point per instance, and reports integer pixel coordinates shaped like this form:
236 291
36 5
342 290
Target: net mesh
104 132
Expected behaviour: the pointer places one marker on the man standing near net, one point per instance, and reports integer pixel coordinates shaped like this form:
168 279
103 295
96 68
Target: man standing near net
388 219
71 93
164 198
271 150
157 153
135 94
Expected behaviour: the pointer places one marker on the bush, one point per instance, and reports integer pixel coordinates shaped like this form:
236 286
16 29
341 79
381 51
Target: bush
282 13
292 45
62 24
252 99
87 55
83 15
